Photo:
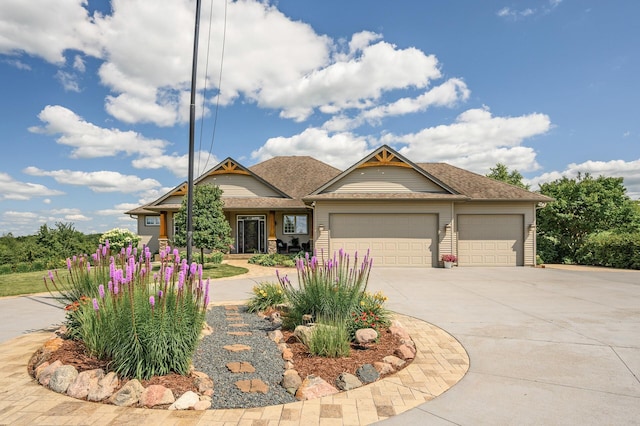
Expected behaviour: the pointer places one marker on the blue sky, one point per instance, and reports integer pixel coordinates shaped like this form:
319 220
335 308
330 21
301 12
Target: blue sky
95 93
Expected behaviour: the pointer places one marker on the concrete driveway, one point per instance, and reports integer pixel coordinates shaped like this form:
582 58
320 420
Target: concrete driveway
547 346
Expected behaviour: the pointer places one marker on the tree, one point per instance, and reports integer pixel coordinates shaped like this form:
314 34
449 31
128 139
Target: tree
582 206
120 238
501 172
211 230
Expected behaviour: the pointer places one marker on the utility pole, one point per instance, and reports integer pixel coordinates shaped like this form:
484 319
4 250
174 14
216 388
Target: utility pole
192 123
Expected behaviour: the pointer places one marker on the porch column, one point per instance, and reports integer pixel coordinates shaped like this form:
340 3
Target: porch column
273 246
163 240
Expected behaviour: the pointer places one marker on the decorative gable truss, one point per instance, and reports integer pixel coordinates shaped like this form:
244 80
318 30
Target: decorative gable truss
384 171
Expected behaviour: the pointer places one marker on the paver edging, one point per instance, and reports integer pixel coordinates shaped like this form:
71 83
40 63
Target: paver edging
440 363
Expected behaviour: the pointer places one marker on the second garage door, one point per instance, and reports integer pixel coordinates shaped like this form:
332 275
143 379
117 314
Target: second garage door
490 240
392 239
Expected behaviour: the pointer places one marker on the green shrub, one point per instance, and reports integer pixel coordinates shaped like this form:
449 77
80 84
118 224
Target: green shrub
611 250
216 257
266 295
6 269
273 259
116 239
329 288
369 313
330 339
145 323
38 265
23 267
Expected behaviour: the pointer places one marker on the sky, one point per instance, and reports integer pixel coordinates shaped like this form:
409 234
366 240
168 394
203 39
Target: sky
94 95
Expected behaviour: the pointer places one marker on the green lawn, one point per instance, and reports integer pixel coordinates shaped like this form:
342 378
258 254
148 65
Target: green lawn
32 282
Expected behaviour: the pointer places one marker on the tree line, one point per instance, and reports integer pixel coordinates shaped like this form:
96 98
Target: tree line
591 222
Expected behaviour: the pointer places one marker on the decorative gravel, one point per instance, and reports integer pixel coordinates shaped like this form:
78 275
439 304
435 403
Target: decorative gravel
212 358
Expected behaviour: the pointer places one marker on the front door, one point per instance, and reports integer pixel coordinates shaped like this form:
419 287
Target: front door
251 234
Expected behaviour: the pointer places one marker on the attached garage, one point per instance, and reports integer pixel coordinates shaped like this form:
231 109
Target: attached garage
490 240
392 239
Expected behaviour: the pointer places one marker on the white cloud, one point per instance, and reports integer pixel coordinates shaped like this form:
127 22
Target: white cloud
118 209
515 14
91 141
101 181
18 64
177 164
476 141
11 189
68 80
52 26
78 64
340 150
628 170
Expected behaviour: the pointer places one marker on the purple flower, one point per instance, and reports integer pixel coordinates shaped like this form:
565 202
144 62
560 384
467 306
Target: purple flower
129 251
194 268
104 251
180 280
88 267
152 301
106 244
101 291
115 288
110 286
176 253
200 271
160 294
51 275
95 304
68 263
95 257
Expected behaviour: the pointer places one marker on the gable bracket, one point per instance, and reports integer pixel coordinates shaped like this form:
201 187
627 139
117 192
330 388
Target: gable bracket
384 158
228 167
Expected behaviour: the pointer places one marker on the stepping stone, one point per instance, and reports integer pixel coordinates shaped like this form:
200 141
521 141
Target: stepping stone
252 386
239 333
241 367
231 308
239 325
234 318
237 348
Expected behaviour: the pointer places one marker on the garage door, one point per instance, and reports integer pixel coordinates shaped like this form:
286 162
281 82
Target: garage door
392 239
490 240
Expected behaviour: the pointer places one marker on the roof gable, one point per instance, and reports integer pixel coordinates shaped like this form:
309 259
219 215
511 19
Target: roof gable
236 181
384 171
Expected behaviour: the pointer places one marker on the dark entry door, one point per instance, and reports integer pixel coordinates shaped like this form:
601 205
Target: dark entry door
251 234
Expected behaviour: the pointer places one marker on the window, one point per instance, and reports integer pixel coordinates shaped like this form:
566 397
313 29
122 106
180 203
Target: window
295 224
152 220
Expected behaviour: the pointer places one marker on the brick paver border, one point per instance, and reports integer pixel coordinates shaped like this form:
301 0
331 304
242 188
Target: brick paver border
440 363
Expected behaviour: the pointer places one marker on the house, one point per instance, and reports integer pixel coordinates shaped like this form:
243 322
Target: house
405 213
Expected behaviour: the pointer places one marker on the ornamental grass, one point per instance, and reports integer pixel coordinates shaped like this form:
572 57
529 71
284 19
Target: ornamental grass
327 288
145 323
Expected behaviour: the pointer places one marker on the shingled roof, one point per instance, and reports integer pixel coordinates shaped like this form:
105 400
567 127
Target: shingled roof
296 176
478 187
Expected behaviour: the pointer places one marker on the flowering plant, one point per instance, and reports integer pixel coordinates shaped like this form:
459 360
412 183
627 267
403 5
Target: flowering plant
449 258
145 323
266 295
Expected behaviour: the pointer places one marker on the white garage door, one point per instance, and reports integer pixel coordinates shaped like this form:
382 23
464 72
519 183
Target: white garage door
490 240
392 239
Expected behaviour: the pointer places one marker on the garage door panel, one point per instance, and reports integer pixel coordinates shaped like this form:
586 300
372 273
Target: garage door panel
490 240
405 240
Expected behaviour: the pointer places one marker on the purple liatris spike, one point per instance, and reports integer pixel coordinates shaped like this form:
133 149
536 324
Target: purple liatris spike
206 301
176 253
106 244
94 256
115 288
104 251
88 267
51 275
194 268
199 271
160 294
180 280
135 251
101 291
129 251
110 286
95 304
68 263
152 301
206 289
